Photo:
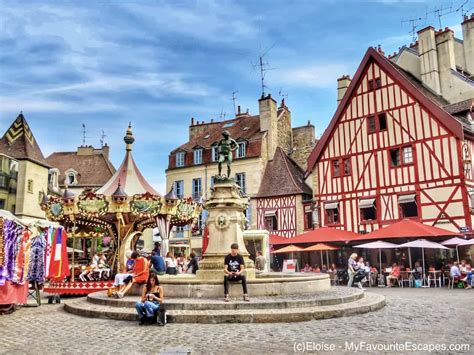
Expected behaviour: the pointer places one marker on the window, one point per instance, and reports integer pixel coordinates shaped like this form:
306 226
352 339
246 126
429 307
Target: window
180 159
371 85
408 206
308 213
30 186
332 212
382 121
228 125
197 188
240 179
347 166
378 83
407 155
214 153
3 181
271 221
240 153
371 123
179 188
213 179
395 157
197 156
336 171
71 178
2 204
367 209
401 156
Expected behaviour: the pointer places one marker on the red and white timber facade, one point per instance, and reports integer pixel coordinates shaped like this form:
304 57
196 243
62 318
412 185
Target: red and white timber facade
391 152
278 215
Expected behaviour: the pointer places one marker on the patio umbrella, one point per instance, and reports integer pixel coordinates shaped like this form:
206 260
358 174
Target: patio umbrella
320 247
466 242
379 244
456 241
288 249
423 244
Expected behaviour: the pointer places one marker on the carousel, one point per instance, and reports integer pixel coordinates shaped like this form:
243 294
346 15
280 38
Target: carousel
114 218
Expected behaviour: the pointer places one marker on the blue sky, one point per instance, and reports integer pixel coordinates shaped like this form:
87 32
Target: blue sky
158 63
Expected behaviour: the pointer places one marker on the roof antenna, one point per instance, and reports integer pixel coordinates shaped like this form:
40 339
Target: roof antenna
442 11
263 65
234 98
84 135
222 116
102 139
462 6
283 95
414 24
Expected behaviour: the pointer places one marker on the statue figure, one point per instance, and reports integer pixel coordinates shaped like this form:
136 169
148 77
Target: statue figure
225 148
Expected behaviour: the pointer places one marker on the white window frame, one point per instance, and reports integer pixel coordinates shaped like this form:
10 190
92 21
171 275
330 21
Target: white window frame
180 159
243 183
197 192
179 188
241 151
410 155
215 152
197 154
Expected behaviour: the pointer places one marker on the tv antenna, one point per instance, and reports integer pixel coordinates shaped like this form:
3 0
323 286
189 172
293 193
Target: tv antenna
442 11
234 98
84 135
462 6
223 114
264 67
414 24
102 139
280 93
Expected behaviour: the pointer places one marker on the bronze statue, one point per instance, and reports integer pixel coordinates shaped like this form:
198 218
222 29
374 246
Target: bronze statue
225 148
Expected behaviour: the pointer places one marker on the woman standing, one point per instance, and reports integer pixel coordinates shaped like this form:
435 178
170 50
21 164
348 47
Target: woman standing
149 305
170 264
352 268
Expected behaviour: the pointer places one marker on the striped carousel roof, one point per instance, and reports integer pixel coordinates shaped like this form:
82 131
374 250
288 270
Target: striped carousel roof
127 176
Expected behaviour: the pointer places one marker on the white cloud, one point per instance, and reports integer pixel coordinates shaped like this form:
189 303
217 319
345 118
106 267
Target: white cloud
315 75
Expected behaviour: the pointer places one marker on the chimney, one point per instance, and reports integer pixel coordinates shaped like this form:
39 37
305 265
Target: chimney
468 42
342 84
429 59
269 123
105 151
446 61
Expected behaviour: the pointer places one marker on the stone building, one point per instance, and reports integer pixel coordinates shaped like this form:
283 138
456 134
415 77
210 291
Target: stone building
23 171
86 168
193 165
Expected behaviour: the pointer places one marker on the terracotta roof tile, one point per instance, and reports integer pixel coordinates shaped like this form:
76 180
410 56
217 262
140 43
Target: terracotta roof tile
282 177
19 142
93 170
245 127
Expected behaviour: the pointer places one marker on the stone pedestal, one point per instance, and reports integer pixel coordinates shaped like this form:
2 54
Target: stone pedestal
225 222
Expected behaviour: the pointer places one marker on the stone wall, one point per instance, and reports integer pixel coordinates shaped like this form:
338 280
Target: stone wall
303 144
285 134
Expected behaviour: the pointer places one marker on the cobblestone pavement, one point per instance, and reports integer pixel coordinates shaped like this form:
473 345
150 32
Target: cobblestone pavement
433 316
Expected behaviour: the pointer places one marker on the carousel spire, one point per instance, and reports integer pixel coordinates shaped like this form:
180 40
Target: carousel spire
129 139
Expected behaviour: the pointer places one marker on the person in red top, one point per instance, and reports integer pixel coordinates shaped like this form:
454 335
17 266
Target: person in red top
394 274
140 275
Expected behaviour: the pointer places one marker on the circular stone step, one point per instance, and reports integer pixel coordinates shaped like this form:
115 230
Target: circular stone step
335 295
362 303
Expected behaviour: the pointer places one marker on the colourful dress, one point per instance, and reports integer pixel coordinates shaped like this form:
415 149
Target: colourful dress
36 267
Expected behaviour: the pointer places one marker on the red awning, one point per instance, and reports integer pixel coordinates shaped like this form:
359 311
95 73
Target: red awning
408 229
318 235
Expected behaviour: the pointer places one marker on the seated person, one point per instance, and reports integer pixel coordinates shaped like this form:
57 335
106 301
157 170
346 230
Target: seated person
316 268
234 265
394 274
103 267
193 265
157 264
307 268
151 299
324 269
468 278
170 264
260 262
455 273
332 268
417 271
462 266
127 270
139 275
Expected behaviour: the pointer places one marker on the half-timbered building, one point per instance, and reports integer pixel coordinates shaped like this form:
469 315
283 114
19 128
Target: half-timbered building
395 149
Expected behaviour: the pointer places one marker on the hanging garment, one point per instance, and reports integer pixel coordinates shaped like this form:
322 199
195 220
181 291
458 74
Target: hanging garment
2 245
10 229
36 266
22 240
49 249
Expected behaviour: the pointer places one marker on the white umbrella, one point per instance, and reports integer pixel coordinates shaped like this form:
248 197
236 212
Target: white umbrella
456 241
466 242
423 244
379 244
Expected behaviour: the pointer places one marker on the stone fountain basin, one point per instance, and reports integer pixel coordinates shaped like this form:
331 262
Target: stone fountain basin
265 284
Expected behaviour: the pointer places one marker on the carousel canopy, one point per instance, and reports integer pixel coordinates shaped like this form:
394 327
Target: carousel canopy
128 176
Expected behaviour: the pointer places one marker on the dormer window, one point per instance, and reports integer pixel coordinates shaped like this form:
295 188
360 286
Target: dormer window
214 152
241 150
71 177
179 159
197 156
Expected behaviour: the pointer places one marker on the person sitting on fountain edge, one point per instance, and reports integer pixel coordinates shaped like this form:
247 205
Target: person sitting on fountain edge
234 265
